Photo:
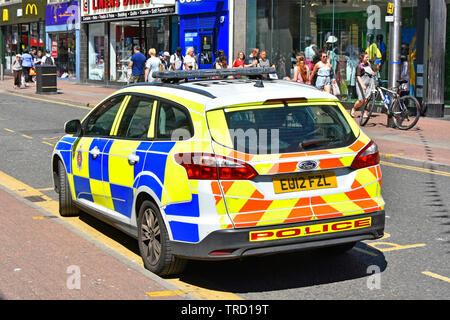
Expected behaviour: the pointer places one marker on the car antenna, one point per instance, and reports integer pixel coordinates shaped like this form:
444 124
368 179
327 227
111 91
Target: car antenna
259 84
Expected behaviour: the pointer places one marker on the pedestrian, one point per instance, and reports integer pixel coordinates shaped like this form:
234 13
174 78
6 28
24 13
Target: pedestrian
38 58
47 60
165 61
263 61
27 64
190 62
323 69
220 53
239 62
252 60
137 65
302 72
364 82
152 64
176 60
16 67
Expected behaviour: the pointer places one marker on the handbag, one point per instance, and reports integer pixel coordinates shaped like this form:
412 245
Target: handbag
335 88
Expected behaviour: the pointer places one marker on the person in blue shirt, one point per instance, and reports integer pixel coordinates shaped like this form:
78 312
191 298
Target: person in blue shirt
137 65
27 64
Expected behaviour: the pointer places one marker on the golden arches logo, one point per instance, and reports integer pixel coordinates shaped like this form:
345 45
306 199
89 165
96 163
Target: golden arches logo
30 8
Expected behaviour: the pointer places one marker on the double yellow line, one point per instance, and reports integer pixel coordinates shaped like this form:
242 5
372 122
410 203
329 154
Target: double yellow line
52 206
425 170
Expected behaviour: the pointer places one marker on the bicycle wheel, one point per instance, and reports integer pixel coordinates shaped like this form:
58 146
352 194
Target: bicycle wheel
366 110
406 112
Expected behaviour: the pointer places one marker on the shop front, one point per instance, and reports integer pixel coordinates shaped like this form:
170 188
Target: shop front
63 32
22 27
113 28
342 29
204 25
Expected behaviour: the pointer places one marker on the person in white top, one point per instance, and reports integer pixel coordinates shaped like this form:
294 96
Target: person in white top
152 64
190 62
176 60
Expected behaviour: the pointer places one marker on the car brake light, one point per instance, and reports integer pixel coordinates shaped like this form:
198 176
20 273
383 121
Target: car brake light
367 157
207 166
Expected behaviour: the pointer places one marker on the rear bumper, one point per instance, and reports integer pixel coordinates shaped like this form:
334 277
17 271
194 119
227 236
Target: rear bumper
238 240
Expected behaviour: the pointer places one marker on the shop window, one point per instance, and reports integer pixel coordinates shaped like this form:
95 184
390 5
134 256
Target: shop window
124 36
96 51
343 29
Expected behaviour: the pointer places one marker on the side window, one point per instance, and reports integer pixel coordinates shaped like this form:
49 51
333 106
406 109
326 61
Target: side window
100 122
173 123
136 118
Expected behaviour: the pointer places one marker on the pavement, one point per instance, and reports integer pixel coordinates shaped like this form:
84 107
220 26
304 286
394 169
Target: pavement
427 145
50 263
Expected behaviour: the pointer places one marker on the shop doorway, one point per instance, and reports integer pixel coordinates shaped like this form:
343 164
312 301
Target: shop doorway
64 53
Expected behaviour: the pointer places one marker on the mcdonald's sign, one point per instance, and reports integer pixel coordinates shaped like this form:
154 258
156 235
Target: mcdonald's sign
31 9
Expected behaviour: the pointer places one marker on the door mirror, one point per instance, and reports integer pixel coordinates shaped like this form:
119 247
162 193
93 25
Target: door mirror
72 127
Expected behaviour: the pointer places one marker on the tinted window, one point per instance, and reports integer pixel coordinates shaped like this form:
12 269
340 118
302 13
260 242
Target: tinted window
288 129
101 120
173 123
136 118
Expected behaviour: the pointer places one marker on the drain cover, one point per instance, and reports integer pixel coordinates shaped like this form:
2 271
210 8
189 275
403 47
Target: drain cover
35 198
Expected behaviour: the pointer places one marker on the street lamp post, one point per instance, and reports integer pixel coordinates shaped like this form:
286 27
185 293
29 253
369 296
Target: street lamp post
395 37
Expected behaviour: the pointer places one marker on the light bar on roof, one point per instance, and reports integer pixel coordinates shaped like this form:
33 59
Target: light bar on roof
185 74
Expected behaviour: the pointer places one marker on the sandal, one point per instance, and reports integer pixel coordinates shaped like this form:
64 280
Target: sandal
353 113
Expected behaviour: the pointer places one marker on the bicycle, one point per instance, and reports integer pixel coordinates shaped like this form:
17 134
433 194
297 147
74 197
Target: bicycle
405 110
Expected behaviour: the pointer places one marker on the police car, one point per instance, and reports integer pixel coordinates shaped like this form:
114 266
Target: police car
222 168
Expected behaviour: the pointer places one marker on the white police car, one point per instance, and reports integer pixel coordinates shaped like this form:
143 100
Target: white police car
222 168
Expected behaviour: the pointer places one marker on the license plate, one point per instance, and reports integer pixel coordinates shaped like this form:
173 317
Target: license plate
304 182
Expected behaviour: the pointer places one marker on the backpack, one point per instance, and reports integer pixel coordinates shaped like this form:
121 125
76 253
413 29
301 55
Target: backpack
48 61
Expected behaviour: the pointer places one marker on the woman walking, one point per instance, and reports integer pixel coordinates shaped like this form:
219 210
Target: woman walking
301 71
364 82
323 69
152 64
16 67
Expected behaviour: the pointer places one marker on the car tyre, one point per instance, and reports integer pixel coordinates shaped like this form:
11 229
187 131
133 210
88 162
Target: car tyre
154 244
66 205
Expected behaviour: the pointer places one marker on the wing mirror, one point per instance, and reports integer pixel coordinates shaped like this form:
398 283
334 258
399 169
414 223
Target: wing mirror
73 127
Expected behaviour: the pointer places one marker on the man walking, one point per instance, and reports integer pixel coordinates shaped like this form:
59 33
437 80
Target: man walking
137 65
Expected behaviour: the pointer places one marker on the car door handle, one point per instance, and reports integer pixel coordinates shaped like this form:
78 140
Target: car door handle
133 159
95 152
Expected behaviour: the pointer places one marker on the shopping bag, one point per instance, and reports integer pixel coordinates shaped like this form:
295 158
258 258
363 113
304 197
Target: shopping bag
335 88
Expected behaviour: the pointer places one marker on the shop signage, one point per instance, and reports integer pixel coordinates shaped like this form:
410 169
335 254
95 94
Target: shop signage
101 10
24 12
201 6
5 16
390 8
31 9
61 13
54 49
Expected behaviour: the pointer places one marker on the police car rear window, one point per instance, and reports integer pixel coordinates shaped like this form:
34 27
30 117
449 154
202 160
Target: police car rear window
282 129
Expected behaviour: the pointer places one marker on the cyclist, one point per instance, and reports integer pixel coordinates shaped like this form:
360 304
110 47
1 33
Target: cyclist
364 82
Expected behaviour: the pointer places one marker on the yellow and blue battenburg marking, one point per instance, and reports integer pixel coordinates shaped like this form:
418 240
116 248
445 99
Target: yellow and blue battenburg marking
110 181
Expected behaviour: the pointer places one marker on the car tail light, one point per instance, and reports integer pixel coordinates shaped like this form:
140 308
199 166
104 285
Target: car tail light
207 166
367 157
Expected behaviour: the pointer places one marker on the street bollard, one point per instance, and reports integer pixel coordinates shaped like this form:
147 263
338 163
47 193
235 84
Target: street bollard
1 72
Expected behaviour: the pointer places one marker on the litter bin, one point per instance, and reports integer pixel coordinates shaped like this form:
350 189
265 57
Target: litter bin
46 79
